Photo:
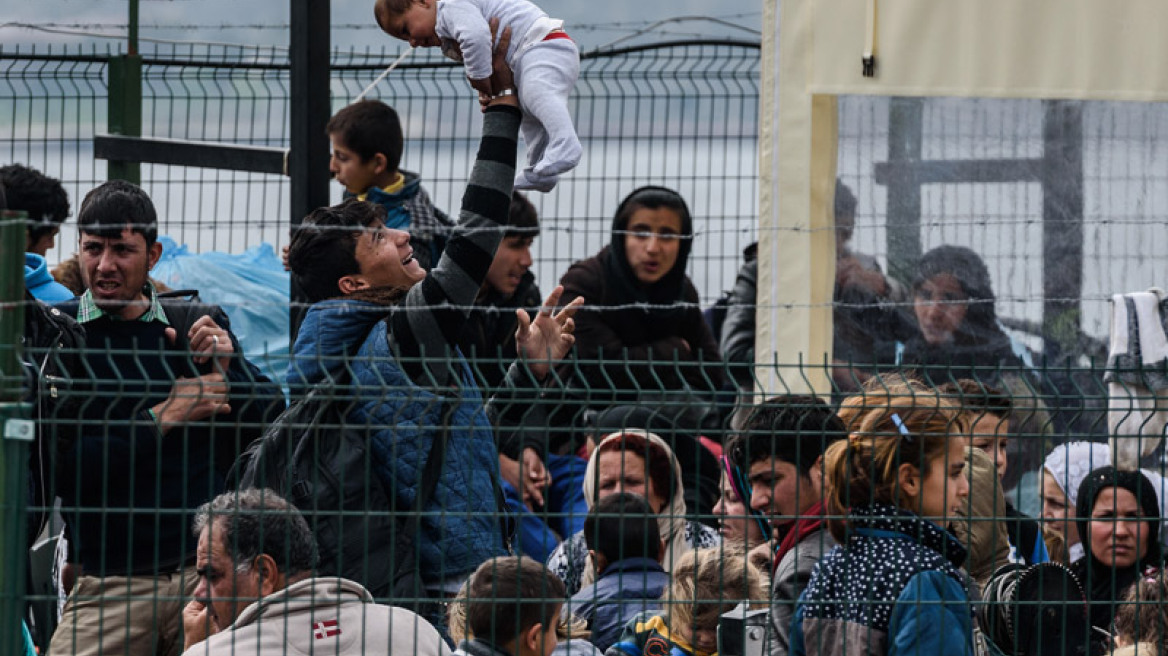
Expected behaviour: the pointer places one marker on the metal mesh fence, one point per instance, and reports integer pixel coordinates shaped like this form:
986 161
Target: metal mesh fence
133 452
683 115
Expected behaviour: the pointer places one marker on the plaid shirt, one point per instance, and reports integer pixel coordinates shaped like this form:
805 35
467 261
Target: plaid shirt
87 309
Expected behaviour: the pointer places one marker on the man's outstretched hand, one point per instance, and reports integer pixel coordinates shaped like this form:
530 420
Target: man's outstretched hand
546 340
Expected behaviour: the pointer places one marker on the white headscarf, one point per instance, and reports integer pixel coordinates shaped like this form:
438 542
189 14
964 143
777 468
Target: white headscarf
671 520
1070 463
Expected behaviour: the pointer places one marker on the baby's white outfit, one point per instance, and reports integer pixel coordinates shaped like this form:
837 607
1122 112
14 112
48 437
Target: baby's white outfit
545 64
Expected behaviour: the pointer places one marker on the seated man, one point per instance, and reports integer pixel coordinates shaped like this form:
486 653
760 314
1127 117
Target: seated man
172 406
378 316
256 593
782 452
625 543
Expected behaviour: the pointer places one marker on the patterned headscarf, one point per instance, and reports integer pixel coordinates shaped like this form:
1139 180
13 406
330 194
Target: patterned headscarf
742 489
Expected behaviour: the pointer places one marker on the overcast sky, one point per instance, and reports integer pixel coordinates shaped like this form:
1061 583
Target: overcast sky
591 22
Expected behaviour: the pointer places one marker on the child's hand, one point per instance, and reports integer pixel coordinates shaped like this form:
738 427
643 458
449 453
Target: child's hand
483 86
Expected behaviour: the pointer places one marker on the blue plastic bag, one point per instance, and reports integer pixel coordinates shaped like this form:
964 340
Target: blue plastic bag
252 288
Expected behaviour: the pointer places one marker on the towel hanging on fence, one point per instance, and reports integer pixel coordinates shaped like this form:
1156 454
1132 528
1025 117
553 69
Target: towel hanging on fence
1137 376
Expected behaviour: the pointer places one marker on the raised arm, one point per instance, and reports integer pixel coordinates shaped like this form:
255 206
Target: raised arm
431 318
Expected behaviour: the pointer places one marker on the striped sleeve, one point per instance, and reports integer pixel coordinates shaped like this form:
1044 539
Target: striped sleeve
429 321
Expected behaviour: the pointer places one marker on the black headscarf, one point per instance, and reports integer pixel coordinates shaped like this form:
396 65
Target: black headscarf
1106 585
622 283
981 320
979 341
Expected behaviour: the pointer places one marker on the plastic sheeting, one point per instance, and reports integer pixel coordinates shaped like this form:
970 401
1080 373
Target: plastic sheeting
251 287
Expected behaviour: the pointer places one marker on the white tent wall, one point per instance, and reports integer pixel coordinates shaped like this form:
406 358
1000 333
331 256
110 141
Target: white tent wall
996 59
797 145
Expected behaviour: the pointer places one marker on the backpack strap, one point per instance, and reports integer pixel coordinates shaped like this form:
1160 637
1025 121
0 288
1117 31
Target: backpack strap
432 470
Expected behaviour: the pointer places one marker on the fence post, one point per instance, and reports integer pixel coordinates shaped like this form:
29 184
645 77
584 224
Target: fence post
125 110
125 100
905 116
15 432
309 112
1062 226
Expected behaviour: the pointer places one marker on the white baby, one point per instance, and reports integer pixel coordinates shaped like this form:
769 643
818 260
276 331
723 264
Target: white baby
544 60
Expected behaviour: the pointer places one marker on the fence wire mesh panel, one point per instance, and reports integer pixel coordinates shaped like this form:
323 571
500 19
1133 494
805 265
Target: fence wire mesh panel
949 495
682 115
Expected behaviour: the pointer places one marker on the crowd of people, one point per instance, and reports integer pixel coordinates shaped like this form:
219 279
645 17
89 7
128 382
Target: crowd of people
585 501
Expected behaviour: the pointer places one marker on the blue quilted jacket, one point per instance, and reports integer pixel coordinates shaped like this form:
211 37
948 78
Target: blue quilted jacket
462 527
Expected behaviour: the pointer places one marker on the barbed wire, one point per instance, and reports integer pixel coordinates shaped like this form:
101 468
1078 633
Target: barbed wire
594 307
571 226
634 29
144 39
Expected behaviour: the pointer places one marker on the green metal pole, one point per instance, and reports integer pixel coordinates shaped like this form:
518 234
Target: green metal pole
133 27
15 432
125 100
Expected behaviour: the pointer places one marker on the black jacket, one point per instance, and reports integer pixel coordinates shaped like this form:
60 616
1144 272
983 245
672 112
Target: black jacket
52 343
488 344
129 492
488 339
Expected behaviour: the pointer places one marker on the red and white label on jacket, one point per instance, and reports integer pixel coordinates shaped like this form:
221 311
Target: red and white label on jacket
326 629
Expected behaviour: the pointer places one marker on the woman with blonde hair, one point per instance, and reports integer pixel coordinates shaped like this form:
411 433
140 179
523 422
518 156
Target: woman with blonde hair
706 584
894 585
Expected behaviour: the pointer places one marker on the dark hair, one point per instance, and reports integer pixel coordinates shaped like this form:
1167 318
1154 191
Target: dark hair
978 398
324 245
114 206
368 127
793 428
41 197
1141 616
508 595
255 522
845 200
522 219
393 7
622 526
974 277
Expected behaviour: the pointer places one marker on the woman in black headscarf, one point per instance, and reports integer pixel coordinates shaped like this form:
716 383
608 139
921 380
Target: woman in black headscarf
1119 524
957 326
641 307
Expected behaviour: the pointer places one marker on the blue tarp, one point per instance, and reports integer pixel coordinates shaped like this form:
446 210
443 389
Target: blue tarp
251 287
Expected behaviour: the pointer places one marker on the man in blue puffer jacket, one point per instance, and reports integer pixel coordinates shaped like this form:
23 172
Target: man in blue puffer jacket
378 315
